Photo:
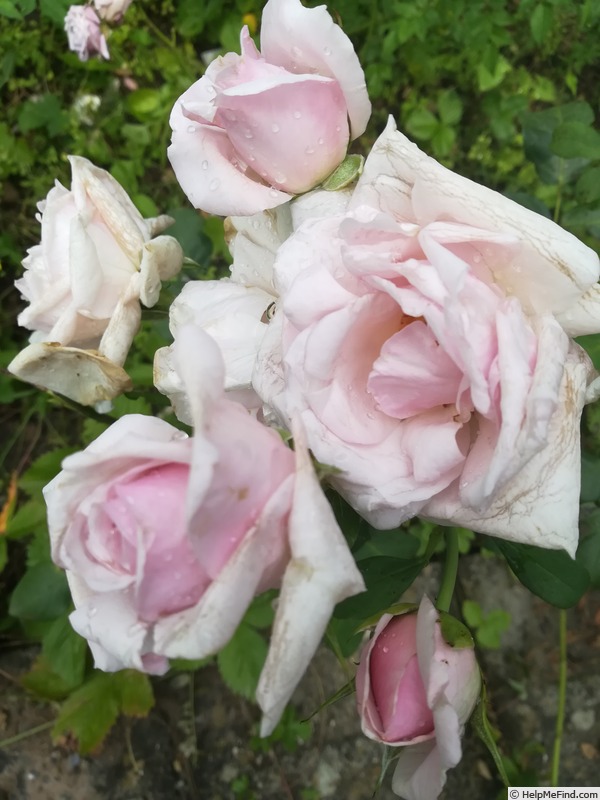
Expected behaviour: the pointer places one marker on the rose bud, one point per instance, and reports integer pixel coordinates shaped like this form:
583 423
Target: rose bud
82 26
415 690
260 127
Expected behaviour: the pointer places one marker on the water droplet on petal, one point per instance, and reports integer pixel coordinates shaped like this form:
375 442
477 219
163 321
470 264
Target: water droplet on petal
191 129
169 557
296 51
249 134
275 127
297 114
327 51
93 611
252 158
204 165
214 185
274 193
320 141
280 178
309 150
338 129
386 649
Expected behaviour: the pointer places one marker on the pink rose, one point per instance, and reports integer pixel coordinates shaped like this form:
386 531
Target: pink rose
83 31
416 691
166 539
261 127
422 340
111 10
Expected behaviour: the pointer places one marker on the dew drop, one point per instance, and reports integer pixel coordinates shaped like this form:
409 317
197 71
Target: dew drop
204 165
93 611
337 128
320 141
279 178
252 158
249 135
275 127
214 185
386 649
297 114
274 193
296 51
309 150
169 557
263 174
191 129
327 51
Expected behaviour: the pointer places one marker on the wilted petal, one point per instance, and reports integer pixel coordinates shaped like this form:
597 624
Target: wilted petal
320 574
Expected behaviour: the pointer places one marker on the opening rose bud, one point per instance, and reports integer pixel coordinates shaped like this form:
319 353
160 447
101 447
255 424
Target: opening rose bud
260 127
415 690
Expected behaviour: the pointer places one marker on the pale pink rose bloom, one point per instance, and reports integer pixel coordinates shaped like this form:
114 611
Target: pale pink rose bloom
82 25
111 10
97 261
416 692
423 360
236 311
261 127
166 539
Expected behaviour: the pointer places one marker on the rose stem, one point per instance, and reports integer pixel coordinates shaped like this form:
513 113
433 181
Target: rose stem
562 694
449 573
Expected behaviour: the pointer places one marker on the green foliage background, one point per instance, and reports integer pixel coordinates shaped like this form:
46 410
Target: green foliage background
503 91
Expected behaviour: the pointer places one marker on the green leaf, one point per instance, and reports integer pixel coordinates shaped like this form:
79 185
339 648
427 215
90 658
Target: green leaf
29 518
89 713
65 651
550 574
454 632
472 613
575 140
541 23
43 682
55 10
143 103
396 543
450 107
582 217
43 470
260 614
43 112
386 579
590 465
490 78
41 594
348 171
422 124
588 186
588 552
538 129
3 553
241 660
136 697
489 633
189 232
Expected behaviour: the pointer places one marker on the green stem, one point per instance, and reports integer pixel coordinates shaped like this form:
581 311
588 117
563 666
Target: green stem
25 734
450 569
562 696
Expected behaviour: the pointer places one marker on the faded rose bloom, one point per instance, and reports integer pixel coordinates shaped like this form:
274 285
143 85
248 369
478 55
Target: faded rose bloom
111 10
416 691
422 337
82 25
96 262
260 127
167 538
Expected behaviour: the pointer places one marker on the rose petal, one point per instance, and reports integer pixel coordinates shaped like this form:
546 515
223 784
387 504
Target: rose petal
307 40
